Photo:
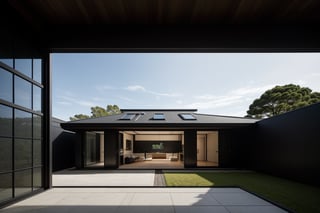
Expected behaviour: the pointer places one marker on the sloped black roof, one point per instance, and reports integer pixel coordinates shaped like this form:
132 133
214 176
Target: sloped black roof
144 120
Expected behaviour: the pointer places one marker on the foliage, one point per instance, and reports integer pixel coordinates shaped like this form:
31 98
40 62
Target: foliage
98 111
290 194
282 99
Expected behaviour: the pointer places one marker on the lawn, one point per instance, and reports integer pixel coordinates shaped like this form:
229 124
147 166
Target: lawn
298 197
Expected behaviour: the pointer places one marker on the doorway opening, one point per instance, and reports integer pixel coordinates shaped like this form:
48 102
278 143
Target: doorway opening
207 149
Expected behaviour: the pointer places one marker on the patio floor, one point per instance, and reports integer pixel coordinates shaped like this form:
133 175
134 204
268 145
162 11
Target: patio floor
166 200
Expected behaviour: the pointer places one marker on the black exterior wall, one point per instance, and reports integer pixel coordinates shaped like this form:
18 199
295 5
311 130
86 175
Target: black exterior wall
190 149
288 145
235 148
63 147
111 149
79 150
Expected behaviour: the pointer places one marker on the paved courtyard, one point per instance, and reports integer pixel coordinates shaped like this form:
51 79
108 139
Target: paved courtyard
103 178
132 191
140 200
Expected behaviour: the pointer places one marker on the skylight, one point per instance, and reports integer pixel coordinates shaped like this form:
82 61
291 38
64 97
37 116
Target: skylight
158 116
187 116
128 116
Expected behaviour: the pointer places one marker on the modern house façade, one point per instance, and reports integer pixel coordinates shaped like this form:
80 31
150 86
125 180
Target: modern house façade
286 145
176 134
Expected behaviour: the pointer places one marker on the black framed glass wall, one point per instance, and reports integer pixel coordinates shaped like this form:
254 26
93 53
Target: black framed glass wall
21 127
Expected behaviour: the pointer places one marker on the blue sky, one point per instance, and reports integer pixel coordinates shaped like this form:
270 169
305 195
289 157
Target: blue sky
214 83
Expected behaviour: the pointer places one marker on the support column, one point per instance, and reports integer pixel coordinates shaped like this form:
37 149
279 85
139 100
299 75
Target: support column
79 149
111 149
47 121
190 148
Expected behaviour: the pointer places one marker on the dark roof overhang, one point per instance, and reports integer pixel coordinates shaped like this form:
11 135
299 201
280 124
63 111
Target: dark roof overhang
166 25
147 126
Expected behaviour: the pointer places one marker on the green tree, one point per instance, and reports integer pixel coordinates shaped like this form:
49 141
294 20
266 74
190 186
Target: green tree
98 111
79 117
282 99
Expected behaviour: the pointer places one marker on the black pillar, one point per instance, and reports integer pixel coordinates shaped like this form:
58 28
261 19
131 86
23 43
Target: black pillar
79 150
190 148
47 120
111 149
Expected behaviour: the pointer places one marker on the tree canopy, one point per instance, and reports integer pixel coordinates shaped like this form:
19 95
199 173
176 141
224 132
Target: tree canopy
98 111
282 99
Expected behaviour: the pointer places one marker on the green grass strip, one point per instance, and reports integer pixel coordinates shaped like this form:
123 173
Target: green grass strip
293 195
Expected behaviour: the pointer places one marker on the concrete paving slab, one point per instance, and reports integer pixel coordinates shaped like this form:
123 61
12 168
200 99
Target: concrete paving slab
151 199
192 198
103 178
238 198
254 209
200 209
166 200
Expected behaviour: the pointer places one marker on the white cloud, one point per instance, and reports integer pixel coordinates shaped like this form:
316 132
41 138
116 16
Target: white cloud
235 98
315 74
218 102
102 88
65 103
135 88
179 102
127 99
244 91
76 101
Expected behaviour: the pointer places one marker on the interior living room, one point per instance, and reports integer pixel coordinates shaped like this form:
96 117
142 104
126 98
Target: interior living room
152 149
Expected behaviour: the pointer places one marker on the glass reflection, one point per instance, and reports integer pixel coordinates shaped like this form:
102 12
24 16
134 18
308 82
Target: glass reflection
37 152
22 92
37 126
37 178
5 121
22 182
22 153
5 186
7 61
37 98
37 70
6 85
24 66
5 154
22 124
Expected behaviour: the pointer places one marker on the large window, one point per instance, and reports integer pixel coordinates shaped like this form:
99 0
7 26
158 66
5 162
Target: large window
21 127
6 85
22 92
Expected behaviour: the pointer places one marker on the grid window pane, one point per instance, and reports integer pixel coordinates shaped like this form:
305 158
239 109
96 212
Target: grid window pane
22 92
5 121
37 99
37 70
37 178
24 66
22 181
5 154
22 124
6 85
37 153
5 186
7 61
22 153
37 127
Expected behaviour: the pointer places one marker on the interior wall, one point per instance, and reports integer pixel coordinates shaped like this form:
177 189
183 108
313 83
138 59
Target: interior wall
101 147
201 147
288 145
158 137
127 151
213 147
